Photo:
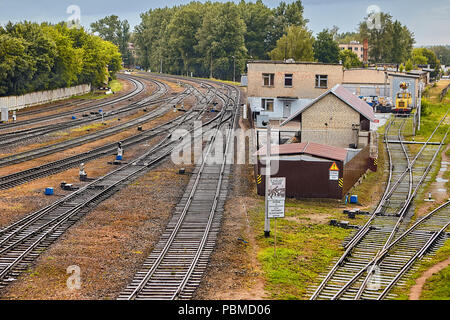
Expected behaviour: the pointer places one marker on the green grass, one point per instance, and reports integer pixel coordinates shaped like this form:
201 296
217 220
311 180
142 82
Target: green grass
434 288
306 245
115 85
437 286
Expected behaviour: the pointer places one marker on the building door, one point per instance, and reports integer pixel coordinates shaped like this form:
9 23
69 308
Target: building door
286 110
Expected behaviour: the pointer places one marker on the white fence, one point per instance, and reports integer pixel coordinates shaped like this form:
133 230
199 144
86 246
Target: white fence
41 97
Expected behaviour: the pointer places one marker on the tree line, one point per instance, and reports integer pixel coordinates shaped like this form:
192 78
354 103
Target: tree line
36 57
212 38
215 39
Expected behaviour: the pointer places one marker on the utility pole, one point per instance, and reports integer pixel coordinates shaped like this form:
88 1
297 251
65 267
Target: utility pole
211 68
419 107
266 194
234 68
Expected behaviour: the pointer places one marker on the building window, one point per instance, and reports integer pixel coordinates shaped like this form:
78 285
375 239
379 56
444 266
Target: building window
350 48
267 104
321 81
356 48
288 80
268 79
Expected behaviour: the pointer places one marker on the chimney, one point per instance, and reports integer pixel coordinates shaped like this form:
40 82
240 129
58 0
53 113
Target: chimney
366 51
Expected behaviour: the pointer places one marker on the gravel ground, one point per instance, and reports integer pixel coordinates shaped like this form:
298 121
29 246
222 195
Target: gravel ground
109 244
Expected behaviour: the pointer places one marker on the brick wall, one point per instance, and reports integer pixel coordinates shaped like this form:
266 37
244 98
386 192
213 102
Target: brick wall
303 82
339 118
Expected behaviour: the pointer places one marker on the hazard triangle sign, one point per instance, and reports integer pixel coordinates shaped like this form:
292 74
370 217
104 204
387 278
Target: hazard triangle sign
334 167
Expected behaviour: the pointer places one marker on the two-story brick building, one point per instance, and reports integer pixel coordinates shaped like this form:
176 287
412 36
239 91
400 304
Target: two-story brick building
277 89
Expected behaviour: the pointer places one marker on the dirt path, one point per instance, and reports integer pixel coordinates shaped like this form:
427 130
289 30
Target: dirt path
416 290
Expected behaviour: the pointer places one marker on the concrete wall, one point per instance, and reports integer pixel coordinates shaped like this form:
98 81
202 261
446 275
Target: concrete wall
41 97
364 76
278 106
303 83
339 118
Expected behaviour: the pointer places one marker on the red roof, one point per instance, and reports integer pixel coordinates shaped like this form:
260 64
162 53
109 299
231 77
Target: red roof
311 148
355 102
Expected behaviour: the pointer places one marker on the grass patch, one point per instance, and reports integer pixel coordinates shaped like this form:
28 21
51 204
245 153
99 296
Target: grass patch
432 289
437 286
306 245
115 85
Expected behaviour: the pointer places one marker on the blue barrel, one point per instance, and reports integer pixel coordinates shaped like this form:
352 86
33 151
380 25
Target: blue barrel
118 157
48 191
353 198
73 117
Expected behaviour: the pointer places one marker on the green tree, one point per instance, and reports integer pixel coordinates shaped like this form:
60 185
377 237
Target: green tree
389 41
37 57
296 44
259 19
442 53
285 16
182 29
221 37
325 48
112 29
349 59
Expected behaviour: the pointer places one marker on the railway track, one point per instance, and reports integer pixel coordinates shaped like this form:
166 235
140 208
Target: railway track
138 88
54 167
352 276
175 267
50 149
23 241
27 134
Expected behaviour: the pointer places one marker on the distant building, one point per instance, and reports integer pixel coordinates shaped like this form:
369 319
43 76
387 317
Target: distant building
354 46
277 89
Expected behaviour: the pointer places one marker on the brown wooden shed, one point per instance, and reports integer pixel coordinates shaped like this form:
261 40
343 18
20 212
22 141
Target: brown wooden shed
310 169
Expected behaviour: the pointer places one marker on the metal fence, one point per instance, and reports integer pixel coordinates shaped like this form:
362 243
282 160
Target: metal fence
41 97
443 93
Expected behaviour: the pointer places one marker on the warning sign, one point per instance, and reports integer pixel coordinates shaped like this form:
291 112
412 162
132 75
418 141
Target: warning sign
334 175
276 197
334 167
334 172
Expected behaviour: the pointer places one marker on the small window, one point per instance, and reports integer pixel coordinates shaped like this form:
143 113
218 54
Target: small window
288 80
321 81
268 79
356 48
267 104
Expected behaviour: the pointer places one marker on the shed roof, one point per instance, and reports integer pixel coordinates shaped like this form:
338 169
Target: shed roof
311 148
346 96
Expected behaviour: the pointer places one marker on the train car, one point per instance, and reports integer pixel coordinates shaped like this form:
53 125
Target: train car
403 100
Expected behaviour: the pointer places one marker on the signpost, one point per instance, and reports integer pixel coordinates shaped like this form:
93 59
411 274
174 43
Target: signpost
334 172
276 198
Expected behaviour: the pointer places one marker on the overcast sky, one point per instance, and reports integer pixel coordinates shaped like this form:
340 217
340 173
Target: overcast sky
428 19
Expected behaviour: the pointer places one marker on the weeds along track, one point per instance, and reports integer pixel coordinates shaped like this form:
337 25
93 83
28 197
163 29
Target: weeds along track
10 138
175 267
203 100
364 270
23 241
